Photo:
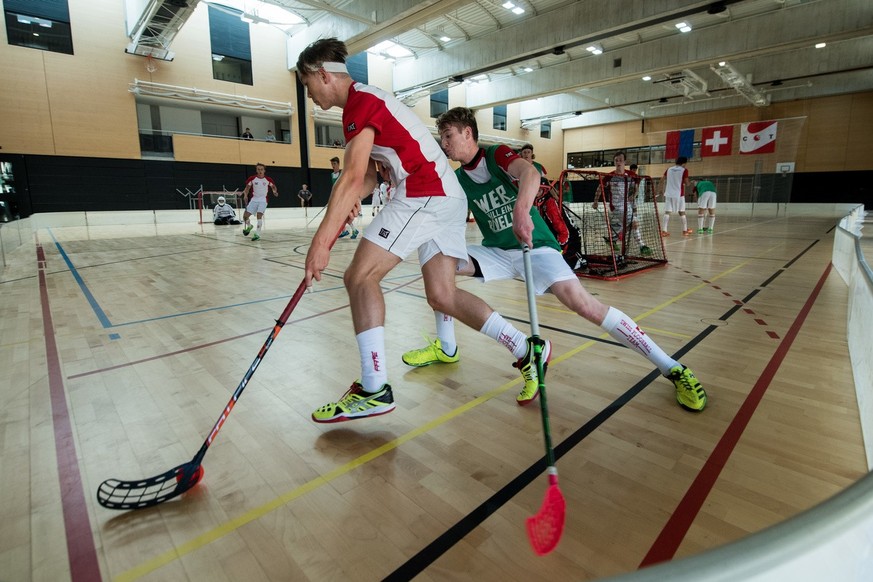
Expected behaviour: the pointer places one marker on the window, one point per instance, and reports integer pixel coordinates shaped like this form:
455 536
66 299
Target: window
39 24
546 130
358 69
231 47
439 103
499 121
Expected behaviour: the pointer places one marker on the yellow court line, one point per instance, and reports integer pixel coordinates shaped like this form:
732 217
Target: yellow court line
234 524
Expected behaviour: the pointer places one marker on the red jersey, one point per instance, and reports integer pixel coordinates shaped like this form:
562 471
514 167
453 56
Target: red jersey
417 165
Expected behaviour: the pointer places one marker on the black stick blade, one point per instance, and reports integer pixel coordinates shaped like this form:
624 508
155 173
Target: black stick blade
117 494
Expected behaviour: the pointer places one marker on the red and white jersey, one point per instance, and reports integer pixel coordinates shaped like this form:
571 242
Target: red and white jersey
260 187
417 165
675 176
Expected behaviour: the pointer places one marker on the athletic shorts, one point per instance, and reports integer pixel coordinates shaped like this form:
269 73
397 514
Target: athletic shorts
706 200
257 206
674 204
617 221
431 224
547 264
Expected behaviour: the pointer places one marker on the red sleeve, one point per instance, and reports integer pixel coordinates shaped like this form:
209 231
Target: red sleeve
270 180
249 180
504 155
362 109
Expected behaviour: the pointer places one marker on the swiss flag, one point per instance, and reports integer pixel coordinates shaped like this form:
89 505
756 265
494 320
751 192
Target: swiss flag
758 137
716 141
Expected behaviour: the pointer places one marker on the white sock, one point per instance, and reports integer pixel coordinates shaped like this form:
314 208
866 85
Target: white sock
666 222
684 222
260 224
505 334
700 218
711 221
374 371
625 330
638 237
445 328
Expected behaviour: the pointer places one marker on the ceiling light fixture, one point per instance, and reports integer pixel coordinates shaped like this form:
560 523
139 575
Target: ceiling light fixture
445 39
647 78
508 5
683 26
741 83
821 45
595 49
518 10
527 70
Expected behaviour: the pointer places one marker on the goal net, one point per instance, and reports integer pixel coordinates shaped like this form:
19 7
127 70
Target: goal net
206 201
617 219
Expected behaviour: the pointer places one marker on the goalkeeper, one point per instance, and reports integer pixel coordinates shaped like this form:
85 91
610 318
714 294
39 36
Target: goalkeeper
503 213
224 213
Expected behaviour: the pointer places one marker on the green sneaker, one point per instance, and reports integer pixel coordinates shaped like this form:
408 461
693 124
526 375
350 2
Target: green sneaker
356 403
256 236
355 234
701 231
689 393
528 369
432 354
645 251
247 229
708 231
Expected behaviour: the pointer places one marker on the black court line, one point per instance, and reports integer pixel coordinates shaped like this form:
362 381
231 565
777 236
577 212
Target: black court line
426 556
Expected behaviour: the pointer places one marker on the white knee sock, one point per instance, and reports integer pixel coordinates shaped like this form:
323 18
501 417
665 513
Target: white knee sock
445 328
260 224
666 222
700 218
625 330
374 370
711 221
684 222
504 333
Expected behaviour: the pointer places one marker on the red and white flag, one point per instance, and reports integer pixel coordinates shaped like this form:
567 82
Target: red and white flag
716 141
758 137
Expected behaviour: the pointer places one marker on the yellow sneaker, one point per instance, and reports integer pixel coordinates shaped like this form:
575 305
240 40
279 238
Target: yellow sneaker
356 403
528 369
689 393
432 354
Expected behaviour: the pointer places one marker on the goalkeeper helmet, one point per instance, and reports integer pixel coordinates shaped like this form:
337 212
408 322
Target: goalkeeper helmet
221 200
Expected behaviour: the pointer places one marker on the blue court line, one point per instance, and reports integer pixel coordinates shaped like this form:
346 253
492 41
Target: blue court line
104 321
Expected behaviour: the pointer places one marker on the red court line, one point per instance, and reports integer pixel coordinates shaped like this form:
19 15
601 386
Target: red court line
80 538
677 526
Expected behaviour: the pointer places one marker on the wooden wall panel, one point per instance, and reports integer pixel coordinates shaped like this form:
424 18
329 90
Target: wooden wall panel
818 135
193 148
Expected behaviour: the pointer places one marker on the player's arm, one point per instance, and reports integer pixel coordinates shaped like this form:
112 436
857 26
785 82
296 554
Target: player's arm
528 187
273 187
359 176
245 194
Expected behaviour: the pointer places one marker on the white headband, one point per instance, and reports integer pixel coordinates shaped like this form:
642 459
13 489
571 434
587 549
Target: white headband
332 67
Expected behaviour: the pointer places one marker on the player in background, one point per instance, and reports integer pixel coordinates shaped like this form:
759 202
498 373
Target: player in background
674 185
621 190
258 186
224 213
705 203
334 176
505 215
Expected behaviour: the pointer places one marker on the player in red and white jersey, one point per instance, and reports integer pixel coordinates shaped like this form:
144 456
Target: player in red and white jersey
426 213
673 186
258 186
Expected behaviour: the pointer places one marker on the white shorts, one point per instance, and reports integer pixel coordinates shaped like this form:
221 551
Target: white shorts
431 224
257 206
547 265
706 200
674 204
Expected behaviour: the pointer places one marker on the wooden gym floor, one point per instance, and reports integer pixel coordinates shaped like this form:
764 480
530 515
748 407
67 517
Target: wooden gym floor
119 347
